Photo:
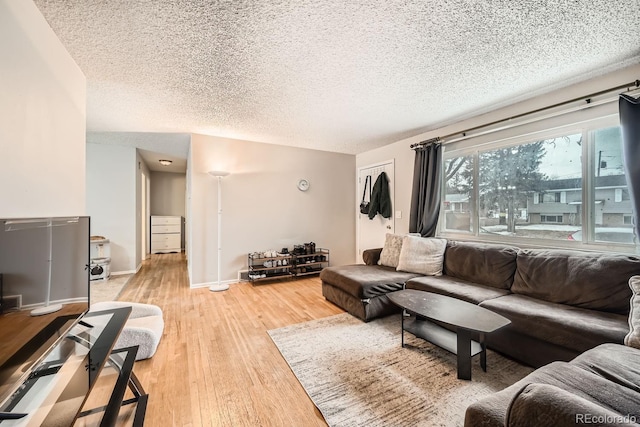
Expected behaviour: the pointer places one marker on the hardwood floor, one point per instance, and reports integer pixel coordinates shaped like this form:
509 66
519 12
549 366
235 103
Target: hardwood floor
216 365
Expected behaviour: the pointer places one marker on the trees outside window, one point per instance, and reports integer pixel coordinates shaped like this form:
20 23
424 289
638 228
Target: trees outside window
536 189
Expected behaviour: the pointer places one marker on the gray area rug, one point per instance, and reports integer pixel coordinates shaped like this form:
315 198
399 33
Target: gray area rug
107 290
357 374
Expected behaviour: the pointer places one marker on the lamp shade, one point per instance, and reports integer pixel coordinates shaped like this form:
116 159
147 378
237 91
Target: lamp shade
218 173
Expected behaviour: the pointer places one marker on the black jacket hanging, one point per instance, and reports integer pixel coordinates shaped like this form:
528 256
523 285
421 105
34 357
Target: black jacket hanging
380 198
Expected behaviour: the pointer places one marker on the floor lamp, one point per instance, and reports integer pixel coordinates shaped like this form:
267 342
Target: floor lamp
219 286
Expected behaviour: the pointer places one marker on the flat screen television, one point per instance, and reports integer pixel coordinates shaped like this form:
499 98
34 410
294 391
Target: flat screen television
44 290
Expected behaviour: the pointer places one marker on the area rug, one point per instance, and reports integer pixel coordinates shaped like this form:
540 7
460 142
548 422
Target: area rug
107 290
357 374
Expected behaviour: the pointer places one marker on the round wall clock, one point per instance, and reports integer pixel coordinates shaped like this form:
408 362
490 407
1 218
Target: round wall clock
303 185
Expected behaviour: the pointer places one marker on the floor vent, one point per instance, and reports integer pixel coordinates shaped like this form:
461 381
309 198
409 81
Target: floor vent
11 302
243 275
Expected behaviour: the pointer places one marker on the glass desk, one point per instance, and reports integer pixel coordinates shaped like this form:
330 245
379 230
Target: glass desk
56 391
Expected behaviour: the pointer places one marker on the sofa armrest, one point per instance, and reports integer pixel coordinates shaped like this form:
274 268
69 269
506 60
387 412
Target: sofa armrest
371 256
543 404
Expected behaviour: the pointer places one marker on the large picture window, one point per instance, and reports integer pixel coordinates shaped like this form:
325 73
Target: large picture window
537 190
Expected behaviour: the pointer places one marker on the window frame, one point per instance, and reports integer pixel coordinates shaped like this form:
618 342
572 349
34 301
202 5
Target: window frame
586 128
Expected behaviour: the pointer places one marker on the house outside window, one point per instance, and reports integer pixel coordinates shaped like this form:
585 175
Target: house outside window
537 190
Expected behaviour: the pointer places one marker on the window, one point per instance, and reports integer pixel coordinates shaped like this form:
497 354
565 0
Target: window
511 179
618 195
551 198
536 189
551 218
611 193
457 195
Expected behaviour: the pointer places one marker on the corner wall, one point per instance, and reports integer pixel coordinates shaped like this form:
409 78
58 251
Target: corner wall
111 202
42 118
262 206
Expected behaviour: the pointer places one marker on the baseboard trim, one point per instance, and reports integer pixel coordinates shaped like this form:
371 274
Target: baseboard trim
122 273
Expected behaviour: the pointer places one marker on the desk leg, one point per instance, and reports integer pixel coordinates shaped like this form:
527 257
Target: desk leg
464 354
483 354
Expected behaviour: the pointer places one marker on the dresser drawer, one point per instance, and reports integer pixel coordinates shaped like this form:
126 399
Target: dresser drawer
171 239
165 243
169 228
164 220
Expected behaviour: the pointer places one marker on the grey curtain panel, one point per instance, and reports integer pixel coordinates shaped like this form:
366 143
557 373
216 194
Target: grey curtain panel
425 197
630 122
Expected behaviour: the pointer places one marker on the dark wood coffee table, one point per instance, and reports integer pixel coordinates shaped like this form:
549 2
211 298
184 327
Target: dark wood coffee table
465 317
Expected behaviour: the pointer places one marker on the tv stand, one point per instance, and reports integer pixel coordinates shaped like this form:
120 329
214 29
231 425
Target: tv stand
61 385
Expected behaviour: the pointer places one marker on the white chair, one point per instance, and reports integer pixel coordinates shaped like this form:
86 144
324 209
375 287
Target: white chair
143 328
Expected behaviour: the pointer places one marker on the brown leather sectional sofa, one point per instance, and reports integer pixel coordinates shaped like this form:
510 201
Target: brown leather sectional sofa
560 302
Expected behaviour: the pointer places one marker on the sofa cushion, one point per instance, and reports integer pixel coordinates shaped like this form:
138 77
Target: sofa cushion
614 362
486 264
633 337
563 325
365 281
371 256
457 288
589 280
492 410
547 405
423 255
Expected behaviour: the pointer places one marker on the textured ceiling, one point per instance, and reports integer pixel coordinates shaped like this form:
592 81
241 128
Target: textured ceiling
335 75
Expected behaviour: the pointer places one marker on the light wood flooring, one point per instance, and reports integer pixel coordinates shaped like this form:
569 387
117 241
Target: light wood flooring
216 365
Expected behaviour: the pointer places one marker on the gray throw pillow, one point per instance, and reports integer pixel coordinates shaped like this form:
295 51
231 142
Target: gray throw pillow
633 337
422 255
391 250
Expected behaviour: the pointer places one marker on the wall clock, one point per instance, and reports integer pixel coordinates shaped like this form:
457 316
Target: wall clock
303 185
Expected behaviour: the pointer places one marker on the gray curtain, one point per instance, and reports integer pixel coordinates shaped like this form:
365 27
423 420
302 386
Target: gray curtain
425 196
630 122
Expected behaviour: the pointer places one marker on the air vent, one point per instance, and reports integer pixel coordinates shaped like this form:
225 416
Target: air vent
243 275
11 302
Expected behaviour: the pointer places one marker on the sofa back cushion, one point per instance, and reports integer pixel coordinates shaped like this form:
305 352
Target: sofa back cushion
596 281
482 263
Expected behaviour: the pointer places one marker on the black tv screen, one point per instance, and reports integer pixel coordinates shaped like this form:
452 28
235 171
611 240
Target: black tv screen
44 289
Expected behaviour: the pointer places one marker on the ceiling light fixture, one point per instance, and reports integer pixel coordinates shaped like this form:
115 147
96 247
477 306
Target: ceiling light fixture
165 162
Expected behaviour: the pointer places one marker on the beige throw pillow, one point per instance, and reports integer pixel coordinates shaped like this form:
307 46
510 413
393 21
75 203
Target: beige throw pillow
422 255
633 337
391 250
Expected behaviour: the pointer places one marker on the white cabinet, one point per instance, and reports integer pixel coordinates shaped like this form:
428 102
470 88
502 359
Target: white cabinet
166 234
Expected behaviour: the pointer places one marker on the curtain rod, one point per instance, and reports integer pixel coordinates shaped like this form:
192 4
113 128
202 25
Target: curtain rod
629 87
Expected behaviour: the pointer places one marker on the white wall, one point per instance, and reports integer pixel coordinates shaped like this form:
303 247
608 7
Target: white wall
42 118
112 202
404 156
262 207
168 193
